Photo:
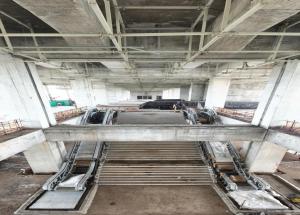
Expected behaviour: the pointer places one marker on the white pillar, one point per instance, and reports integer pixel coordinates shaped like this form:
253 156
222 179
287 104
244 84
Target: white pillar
217 92
279 101
184 92
264 157
22 94
83 92
46 157
196 92
100 93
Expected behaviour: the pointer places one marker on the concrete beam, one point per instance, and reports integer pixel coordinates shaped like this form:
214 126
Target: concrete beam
154 133
288 141
19 144
67 17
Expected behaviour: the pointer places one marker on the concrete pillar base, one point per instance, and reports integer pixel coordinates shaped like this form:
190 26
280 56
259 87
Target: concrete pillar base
264 157
46 157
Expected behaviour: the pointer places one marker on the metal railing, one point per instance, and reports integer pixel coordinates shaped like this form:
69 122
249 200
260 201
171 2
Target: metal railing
67 114
288 126
246 116
9 127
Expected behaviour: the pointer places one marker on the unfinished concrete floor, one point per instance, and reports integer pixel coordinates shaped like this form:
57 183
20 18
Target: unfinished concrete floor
16 188
157 200
151 117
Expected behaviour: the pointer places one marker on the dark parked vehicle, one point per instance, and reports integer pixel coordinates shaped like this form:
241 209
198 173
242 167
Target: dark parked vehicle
163 104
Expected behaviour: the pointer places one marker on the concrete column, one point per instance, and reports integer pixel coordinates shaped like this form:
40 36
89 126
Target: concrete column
217 92
83 92
117 94
281 91
196 92
23 95
279 103
100 93
264 157
184 92
46 157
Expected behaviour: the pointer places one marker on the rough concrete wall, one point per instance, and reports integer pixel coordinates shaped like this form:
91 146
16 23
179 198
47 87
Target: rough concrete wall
173 93
83 95
116 94
100 94
154 94
184 92
58 92
245 90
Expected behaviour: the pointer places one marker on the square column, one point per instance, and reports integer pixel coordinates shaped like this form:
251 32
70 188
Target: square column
83 92
196 92
23 95
217 92
184 93
282 90
279 103
46 157
264 157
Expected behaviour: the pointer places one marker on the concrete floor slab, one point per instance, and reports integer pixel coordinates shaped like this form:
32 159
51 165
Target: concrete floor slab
16 188
157 200
155 117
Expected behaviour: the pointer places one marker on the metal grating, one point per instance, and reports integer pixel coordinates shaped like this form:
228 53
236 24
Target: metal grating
154 164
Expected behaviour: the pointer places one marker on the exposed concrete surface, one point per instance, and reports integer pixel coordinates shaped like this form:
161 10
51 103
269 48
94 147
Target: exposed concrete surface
217 92
196 92
67 17
264 157
16 188
164 117
267 14
46 157
21 143
165 132
229 121
24 95
248 90
158 200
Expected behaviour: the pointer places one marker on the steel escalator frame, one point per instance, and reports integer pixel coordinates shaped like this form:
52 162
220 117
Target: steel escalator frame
66 170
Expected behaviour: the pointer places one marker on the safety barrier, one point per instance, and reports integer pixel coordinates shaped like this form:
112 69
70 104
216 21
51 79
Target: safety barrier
9 127
246 116
67 114
288 126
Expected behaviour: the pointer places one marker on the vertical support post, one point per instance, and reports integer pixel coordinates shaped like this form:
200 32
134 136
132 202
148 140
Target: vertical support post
226 14
42 57
277 43
108 13
203 28
118 25
190 46
6 38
